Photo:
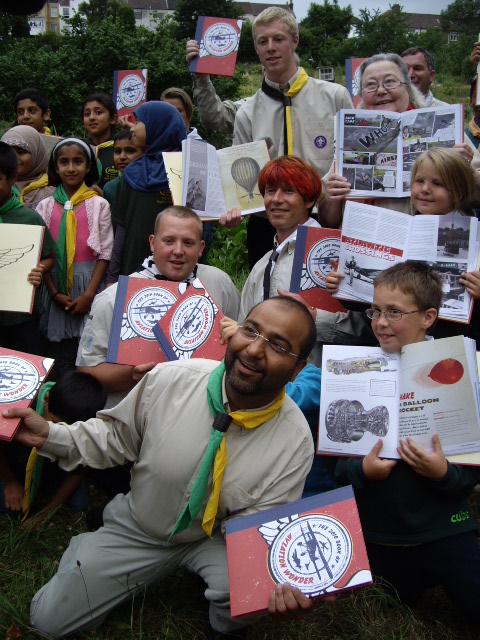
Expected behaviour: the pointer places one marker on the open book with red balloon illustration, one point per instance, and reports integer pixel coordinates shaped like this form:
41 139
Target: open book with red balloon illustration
429 388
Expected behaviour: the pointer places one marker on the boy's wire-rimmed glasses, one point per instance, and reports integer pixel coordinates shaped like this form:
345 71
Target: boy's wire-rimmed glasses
392 316
251 334
389 84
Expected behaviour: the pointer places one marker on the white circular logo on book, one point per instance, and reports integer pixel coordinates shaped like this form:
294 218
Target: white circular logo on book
312 553
18 379
318 259
146 308
220 40
131 91
192 323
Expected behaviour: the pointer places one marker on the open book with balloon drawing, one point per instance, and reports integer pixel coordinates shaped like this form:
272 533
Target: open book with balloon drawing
431 387
212 181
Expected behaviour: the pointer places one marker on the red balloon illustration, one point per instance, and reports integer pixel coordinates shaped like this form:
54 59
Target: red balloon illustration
448 371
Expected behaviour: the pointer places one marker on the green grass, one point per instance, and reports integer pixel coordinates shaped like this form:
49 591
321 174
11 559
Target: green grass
175 609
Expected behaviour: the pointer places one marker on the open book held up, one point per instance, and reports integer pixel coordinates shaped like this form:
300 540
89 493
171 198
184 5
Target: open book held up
429 388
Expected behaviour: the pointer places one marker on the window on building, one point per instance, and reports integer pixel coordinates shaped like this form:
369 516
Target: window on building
54 28
452 37
138 14
66 12
326 73
54 12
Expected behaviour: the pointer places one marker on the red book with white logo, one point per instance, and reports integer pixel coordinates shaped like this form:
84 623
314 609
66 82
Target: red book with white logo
139 305
191 327
315 544
21 376
311 264
218 39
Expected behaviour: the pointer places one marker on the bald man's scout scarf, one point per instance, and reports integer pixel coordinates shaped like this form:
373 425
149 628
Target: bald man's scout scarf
33 471
276 94
35 184
12 203
67 234
217 450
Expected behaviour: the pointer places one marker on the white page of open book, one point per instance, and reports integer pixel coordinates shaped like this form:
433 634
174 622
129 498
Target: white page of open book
20 247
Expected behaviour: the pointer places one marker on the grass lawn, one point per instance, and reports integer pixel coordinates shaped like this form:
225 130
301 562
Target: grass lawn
175 609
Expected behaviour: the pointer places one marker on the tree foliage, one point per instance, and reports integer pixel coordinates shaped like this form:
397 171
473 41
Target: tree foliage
13 27
96 11
323 31
246 50
69 67
377 32
462 16
187 13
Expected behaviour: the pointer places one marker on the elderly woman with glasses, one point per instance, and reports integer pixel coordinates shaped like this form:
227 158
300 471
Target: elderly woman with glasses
384 86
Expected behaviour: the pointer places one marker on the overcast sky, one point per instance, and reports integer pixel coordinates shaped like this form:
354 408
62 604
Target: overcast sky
409 6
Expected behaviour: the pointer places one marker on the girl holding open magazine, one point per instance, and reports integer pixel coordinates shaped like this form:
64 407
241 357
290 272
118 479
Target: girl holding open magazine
442 182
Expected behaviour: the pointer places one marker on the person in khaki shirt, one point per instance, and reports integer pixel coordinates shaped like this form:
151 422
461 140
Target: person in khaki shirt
164 425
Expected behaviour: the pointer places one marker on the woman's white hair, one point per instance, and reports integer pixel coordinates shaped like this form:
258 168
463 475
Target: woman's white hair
417 100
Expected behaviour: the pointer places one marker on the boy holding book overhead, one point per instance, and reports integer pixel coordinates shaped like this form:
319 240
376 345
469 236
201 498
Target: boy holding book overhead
418 527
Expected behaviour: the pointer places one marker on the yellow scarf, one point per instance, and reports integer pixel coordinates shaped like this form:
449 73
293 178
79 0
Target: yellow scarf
249 420
36 184
67 238
286 99
294 89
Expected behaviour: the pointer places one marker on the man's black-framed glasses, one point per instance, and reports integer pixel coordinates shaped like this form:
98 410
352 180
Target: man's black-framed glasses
251 334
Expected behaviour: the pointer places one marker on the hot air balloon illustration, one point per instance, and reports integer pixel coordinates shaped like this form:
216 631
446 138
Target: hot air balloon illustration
245 173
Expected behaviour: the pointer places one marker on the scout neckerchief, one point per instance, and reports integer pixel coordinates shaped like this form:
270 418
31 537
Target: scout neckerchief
217 449
104 145
13 203
276 94
149 270
67 234
33 471
36 184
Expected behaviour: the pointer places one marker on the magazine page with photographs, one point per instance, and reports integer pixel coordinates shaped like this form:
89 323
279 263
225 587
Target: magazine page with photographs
368 152
376 150
360 395
215 181
430 388
449 244
373 239
425 129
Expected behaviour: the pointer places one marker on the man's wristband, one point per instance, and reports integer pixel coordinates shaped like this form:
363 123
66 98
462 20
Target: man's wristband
55 295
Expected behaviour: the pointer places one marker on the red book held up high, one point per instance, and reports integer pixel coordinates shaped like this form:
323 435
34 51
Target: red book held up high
218 39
